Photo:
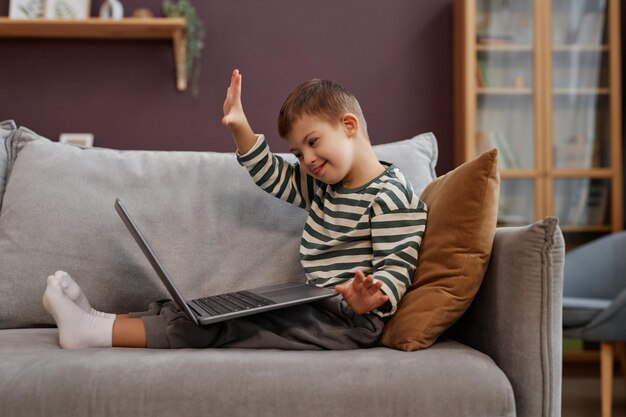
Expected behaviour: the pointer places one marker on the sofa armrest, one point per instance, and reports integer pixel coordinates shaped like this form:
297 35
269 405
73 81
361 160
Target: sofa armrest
516 317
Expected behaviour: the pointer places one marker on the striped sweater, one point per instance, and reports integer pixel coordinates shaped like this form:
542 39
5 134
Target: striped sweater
376 228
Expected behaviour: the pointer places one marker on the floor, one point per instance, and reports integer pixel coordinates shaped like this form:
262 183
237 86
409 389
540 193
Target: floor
581 397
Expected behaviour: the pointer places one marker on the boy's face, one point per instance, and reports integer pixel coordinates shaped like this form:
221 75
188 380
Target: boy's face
324 150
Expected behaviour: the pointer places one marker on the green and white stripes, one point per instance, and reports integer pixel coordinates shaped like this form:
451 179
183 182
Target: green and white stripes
377 228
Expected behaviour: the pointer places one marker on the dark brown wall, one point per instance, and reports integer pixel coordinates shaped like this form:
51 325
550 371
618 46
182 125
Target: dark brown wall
396 57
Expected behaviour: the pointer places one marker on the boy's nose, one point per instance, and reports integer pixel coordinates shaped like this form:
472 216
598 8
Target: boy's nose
309 158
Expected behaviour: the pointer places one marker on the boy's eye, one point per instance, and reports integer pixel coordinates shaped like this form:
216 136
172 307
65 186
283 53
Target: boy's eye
298 155
312 141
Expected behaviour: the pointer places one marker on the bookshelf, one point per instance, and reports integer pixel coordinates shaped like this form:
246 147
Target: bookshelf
541 81
94 28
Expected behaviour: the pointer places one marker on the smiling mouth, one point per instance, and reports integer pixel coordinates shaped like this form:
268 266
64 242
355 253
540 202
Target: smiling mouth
317 171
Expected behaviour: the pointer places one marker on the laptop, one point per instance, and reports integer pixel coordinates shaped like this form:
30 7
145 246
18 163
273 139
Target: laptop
221 307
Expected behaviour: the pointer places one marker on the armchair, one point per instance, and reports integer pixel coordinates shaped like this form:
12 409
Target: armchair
594 303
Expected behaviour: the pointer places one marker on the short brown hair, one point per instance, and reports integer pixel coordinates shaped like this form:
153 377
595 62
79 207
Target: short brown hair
320 98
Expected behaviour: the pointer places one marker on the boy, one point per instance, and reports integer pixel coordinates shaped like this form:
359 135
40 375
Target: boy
362 237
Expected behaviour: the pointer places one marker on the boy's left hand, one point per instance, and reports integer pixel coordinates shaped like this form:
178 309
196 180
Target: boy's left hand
363 294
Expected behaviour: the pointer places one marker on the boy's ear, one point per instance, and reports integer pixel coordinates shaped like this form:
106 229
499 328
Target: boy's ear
350 123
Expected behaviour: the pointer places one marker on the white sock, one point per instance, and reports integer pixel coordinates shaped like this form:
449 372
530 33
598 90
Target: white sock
74 293
77 329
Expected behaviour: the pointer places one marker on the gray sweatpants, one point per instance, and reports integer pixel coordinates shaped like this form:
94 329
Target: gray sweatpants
326 324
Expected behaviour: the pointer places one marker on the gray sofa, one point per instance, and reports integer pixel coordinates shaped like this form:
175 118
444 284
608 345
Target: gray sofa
215 232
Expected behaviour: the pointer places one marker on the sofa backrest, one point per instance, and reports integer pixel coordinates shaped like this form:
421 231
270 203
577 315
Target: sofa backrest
211 227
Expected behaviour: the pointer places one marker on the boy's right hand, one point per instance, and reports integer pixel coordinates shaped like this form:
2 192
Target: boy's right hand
363 294
234 117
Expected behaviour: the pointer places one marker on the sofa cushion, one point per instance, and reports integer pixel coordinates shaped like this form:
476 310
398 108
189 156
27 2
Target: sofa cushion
7 128
211 234
450 379
416 158
455 251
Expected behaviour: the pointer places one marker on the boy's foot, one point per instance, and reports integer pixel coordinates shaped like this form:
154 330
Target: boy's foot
77 329
74 293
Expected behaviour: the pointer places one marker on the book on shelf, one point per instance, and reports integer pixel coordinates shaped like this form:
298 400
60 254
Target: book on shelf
492 38
597 202
480 79
596 153
482 74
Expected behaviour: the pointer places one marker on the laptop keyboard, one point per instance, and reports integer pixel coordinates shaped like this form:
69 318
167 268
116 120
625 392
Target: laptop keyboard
232 302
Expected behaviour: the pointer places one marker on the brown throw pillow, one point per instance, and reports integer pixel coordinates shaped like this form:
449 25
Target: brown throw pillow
462 214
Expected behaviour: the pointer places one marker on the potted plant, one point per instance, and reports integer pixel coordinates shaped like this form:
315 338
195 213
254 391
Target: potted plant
194 36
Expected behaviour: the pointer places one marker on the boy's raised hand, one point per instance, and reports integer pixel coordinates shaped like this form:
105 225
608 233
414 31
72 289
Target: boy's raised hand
363 294
233 109
234 117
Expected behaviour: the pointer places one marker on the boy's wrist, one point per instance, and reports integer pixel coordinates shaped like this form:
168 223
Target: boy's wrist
253 149
385 308
244 138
